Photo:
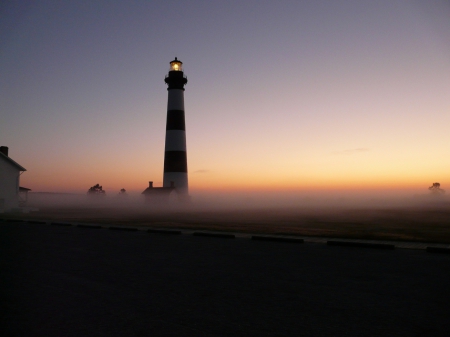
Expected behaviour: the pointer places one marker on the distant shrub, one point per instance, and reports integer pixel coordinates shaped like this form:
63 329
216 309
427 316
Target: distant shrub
96 190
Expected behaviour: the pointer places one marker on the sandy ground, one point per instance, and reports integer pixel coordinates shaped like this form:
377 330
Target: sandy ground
426 224
72 281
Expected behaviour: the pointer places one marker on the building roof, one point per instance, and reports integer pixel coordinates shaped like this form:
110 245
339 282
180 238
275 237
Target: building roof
158 190
12 162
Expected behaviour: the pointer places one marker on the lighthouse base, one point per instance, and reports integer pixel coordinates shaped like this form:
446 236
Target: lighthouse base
180 180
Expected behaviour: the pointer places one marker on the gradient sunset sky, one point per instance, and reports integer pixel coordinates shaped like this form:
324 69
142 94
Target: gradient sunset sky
281 94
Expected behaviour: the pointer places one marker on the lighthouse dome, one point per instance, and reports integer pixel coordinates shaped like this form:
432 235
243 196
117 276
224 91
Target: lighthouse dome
176 65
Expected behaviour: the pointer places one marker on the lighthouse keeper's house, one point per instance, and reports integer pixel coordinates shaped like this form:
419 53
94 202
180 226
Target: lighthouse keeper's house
10 173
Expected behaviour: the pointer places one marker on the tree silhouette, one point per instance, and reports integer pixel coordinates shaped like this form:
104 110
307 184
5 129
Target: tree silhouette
436 188
96 190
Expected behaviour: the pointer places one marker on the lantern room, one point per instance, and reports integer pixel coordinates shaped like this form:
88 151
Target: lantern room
176 65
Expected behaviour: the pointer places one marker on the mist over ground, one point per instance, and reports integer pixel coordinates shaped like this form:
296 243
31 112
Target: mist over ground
246 200
379 215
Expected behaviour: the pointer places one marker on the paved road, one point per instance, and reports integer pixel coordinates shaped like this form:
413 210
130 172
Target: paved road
70 281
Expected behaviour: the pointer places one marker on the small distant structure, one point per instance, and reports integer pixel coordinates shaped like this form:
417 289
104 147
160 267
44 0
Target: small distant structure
11 194
436 189
158 194
96 190
122 193
23 196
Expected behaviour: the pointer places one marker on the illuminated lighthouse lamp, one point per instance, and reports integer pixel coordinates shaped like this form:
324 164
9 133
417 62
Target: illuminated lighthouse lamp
176 65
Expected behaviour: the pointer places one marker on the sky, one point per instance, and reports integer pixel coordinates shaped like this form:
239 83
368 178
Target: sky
281 95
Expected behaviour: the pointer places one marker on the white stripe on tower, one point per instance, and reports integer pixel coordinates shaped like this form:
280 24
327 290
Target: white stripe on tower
175 158
175 99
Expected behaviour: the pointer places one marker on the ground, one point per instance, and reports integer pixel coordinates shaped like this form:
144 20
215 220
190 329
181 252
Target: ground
81 281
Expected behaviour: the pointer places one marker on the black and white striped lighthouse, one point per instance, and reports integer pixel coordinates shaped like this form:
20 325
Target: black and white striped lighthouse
175 159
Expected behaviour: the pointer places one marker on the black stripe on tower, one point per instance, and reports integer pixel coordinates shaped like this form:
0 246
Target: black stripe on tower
175 161
176 80
175 120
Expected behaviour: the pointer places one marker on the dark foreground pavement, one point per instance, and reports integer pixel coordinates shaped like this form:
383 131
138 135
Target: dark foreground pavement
70 281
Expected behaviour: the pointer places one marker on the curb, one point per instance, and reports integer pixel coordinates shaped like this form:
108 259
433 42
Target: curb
61 224
215 235
438 250
361 244
127 229
89 226
277 239
164 231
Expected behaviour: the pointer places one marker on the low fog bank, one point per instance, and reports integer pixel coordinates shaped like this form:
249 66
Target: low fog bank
222 201
388 215
82 200
319 199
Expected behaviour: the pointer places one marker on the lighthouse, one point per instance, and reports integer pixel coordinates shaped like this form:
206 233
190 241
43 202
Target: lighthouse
175 158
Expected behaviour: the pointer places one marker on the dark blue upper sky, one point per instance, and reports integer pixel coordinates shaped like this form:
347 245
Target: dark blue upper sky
335 93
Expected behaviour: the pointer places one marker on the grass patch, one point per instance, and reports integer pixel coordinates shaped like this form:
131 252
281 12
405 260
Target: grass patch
402 224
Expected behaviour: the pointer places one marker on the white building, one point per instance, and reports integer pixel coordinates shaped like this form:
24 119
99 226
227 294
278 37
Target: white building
10 173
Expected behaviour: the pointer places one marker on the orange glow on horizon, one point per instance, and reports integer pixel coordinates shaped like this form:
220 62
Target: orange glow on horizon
114 176
111 185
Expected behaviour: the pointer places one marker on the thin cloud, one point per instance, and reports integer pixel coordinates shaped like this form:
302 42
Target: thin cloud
352 151
202 171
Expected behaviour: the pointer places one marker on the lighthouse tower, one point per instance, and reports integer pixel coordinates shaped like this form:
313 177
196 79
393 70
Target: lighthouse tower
175 159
